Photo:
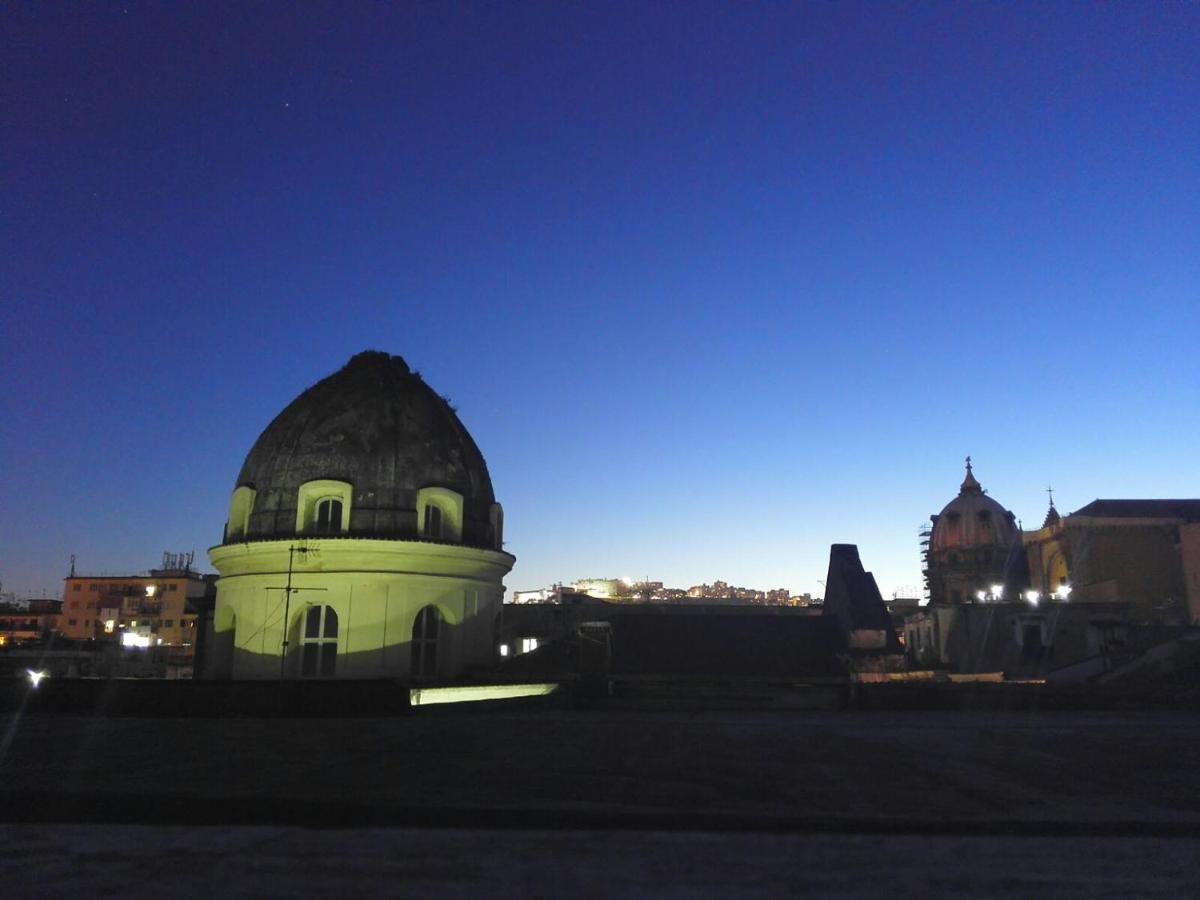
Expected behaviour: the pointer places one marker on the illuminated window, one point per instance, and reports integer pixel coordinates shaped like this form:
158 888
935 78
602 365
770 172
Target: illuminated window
528 645
433 521
319 644
323 507
329 516
240 507
424 660
439 514
504 649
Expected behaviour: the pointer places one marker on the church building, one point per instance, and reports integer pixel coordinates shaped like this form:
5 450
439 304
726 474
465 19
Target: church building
363 538
975 550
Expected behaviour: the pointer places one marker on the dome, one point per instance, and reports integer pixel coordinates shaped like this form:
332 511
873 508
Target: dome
972 519
377 432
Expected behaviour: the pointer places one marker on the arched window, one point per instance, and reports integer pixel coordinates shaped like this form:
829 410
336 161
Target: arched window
440 514
329 516
433 521
319 644
425 643
324 506
239 512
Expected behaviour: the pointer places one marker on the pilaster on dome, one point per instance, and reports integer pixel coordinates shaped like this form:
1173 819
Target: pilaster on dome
970 485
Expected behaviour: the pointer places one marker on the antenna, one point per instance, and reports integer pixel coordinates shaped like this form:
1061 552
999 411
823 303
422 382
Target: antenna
301 547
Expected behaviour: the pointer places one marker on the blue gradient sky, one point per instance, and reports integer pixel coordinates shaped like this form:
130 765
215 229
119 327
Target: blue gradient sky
713 286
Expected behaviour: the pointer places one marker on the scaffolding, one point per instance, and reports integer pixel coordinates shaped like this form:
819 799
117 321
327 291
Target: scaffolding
923 534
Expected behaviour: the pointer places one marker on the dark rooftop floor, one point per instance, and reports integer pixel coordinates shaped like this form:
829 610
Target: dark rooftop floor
547 801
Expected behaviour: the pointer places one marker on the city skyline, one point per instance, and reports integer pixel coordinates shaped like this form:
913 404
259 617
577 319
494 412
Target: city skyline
713 288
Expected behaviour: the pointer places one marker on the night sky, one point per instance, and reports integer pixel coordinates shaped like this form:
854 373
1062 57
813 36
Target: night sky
712 286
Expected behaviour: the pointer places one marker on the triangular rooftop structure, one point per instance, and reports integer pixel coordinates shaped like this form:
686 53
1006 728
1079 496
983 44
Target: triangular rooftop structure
853 598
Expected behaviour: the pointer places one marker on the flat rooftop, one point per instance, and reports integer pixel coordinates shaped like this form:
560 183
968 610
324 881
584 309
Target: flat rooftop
603 802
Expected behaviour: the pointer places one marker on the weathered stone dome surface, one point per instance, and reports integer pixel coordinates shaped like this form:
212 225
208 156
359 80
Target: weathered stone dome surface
972 519
378 426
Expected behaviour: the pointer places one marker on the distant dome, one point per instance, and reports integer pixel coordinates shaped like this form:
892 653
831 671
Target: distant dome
378 427
972 519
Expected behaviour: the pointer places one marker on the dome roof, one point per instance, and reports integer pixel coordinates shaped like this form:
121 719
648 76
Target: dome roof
972 519
377 426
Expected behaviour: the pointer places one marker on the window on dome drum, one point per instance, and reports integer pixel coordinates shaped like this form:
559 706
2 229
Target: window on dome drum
433 521
318 653
424 660
329 516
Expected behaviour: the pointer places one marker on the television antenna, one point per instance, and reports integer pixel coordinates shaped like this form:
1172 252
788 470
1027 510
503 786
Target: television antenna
304 551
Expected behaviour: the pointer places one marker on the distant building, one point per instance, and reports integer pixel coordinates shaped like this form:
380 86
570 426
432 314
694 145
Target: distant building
604 588
974 549
698 637
1144 553
1072 598
159 609
628 590
28 621
543 595
1020 639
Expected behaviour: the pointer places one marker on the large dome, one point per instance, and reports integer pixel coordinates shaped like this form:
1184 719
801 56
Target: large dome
378 428
971 520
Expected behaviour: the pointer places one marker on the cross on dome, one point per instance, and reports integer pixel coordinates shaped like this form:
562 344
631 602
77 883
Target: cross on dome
970 485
